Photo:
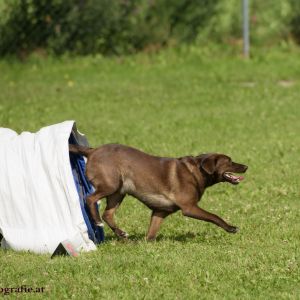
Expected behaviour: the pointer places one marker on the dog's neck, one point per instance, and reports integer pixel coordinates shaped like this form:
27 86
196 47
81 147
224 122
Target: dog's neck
208 180
202 181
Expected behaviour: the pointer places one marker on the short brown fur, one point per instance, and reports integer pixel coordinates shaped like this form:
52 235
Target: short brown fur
165 185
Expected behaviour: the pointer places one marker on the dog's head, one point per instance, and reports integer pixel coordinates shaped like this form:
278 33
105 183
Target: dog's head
220 168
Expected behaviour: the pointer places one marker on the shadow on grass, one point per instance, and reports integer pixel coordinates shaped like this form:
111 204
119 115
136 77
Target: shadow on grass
202 237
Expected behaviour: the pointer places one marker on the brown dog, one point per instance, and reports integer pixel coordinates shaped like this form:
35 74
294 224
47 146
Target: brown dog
165 185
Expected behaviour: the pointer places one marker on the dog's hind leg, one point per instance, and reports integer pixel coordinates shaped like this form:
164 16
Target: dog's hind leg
113 202
104 187
156 219
91 202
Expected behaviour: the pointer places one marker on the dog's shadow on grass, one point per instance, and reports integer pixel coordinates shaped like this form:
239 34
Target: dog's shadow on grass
186 237
183 238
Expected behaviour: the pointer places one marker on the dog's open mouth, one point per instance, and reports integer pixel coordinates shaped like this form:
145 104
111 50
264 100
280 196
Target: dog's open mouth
230 177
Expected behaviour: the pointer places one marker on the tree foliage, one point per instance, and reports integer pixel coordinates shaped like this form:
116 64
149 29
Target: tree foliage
128 26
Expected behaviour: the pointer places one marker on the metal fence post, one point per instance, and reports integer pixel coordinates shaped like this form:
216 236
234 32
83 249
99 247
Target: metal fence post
246 47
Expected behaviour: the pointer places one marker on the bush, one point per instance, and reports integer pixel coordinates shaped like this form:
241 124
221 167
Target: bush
127 26
105 26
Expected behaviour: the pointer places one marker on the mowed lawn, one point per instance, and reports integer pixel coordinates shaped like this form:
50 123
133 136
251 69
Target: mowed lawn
173 104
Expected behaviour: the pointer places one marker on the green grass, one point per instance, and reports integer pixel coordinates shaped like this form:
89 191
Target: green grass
175 103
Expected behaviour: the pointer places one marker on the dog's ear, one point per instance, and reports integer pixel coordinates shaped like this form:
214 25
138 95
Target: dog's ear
208 164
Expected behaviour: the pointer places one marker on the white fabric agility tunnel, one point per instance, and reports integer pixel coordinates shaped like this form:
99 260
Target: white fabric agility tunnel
39 201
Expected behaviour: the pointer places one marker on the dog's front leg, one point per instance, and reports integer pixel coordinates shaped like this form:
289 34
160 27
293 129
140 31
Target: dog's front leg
194 211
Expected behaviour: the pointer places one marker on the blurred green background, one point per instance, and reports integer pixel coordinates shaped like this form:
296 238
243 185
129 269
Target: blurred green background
115 27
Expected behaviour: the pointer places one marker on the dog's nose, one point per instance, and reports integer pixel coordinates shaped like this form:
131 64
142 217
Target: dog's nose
245 168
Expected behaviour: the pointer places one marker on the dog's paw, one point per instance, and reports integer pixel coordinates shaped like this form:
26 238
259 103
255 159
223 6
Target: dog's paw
124 235
233 229
121 234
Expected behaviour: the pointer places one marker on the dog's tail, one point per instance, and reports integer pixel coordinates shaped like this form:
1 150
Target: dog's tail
81 150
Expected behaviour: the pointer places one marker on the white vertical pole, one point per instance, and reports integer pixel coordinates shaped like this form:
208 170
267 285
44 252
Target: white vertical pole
246 28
